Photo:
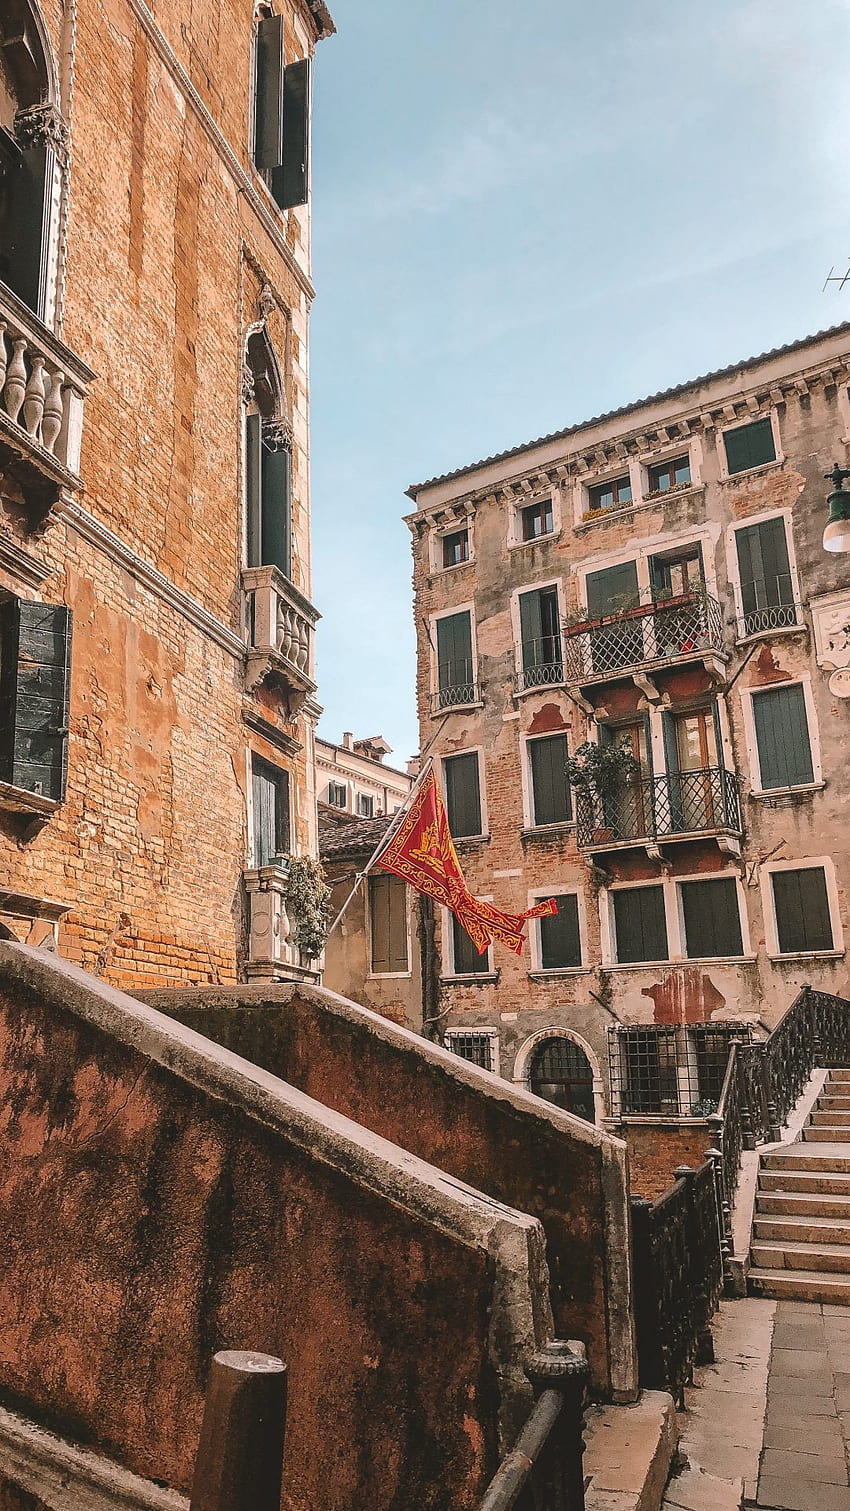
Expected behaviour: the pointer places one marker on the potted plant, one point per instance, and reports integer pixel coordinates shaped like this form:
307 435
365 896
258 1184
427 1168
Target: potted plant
598 772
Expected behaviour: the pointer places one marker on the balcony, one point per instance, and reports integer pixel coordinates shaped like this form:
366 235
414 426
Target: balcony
769 607
281 625
650 635
542 664
272 953
653 809
43 389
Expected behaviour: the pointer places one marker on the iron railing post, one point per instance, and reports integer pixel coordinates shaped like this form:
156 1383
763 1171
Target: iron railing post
647 1328
724 1210
561 1368
240 1453
697 1296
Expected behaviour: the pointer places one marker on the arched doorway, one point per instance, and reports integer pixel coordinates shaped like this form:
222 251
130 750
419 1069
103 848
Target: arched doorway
560 1072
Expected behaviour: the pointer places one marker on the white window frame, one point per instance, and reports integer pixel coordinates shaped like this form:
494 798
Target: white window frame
447 952
516 626
539 894
733 568
598 479
437 535
515 540
341 786
468 607
449 755
738 424
528 818
823 863
743 917
608 927
389 975
751 742
368 797
474 1031
686 446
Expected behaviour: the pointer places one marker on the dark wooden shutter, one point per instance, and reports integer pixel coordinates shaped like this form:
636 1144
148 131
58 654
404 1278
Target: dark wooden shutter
531 629
268 107
254 489
550 788
560 944
613 589
712 919
24 219
782 736
454 652
379 913
463 795
271 811
290 181
467 961
749 446
764 566
640 924
35 679
399 960
276 488
802 910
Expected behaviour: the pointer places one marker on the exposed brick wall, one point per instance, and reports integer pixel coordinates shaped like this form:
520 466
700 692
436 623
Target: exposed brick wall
657 1149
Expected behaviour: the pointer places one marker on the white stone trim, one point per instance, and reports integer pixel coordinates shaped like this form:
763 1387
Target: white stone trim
438 533
738 423
733 567
522 1063
823 863
515 541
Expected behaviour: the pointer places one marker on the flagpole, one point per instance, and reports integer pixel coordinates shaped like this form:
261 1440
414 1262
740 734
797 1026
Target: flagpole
381 846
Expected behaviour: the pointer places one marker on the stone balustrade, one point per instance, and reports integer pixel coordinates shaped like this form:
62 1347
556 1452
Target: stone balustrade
43 388
281 623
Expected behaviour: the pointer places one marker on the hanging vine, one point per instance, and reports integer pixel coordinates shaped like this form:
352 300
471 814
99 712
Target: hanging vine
308 899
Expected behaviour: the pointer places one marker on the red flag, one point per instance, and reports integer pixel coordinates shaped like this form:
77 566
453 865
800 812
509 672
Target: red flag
421 851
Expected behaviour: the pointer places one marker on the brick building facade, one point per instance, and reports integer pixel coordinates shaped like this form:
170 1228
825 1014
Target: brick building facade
651 583
157 706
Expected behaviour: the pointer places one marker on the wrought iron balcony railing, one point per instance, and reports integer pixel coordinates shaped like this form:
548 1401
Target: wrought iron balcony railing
650 634
659 807
769 605
542 663
281 622
456 685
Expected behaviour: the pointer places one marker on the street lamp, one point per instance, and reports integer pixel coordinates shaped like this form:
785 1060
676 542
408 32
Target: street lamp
836 536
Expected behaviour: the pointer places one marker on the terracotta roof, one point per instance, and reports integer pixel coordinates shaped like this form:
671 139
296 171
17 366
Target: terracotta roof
612 414
360 837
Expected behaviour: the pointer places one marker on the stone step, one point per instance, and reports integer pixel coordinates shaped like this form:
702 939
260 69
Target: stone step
839 1100
799 1285
817 1179
694 1490
786 1229
831 1155
835 1117
803 1204
831 1133
834 1258
838 1077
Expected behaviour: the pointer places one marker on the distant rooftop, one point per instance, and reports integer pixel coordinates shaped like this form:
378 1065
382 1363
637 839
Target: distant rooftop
613 414
359 837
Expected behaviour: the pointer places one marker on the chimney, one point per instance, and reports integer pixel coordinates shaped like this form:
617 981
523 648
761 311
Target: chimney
347 740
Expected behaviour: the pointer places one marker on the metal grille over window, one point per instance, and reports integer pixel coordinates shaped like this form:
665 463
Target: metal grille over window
561 1073
477 1048
675 1071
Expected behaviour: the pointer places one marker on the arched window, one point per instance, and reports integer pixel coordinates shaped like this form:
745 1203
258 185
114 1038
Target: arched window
268 458
560 1072
33 140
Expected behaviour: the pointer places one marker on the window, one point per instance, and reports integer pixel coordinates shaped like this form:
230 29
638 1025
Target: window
540 634
388 925
28 167
560 940
801 905
749 446
269 503
455 548
479 1046
550 788
767 587
640 924
463 794
664 1071
270 790
281 116
365 805
537 519
782 737
455 667
712 919
611 495
667 475
337 795
560 1073
465 957
35 680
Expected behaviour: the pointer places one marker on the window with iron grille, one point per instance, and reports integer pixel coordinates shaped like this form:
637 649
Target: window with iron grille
749 446
479 1047
537 519
666 475
782 737
560 1072
455 548
560 939
611 495
712 918
640 924
801 904
551 799
466 960
660 1070
463 794
337 795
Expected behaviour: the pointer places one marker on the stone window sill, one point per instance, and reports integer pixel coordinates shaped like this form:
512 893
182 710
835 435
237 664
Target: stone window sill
539 540
486 978
807 955
748 472
548 831
469 842
787 629
666 965
559 971
19 800
765 794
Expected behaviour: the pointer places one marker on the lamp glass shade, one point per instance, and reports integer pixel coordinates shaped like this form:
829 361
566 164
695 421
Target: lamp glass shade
836 536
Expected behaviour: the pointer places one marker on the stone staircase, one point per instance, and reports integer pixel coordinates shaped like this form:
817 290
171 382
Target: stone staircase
801 1231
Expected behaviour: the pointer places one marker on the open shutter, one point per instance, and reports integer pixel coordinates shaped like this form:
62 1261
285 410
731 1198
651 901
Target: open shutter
276 488
764 567
291 179
611 590
268 106
34 692
254 489
24 219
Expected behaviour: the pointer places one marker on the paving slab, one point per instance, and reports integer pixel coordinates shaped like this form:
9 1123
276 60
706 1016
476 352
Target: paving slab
785 1411
823 1438
694 1490
800 1362
827 1468
820 1385
628 1453
801 1495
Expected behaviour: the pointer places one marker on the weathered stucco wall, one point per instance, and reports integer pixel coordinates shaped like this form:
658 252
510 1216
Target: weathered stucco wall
470 1123
163 1199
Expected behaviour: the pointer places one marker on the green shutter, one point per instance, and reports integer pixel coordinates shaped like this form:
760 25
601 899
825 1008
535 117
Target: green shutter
454 652
35 679
268 104
531 629
290 181
254 489
463 795
560 944
550 788
379 915
802 910
640 924
782 736
764 567
276 509
466 959
749 446
712 919
270 790
611 590
399 960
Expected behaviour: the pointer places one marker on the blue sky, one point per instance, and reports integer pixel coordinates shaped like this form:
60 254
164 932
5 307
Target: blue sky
523 216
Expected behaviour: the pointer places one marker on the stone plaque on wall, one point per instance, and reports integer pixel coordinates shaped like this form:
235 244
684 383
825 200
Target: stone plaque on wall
831 621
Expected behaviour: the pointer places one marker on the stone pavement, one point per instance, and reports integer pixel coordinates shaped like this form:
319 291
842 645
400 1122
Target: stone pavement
768 1425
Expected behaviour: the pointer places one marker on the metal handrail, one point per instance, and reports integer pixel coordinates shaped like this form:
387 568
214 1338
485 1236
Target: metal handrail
544 1470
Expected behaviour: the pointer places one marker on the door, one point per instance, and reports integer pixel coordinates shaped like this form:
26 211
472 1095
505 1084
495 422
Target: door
691 746
560 1073
767 592
628 807
617 646
540 633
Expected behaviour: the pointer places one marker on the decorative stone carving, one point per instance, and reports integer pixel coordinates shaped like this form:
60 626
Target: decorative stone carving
247 384
831 621
42 126
266 302
278 435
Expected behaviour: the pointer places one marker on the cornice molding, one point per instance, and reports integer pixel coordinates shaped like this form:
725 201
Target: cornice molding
216 135
20 563
97 534
269 732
